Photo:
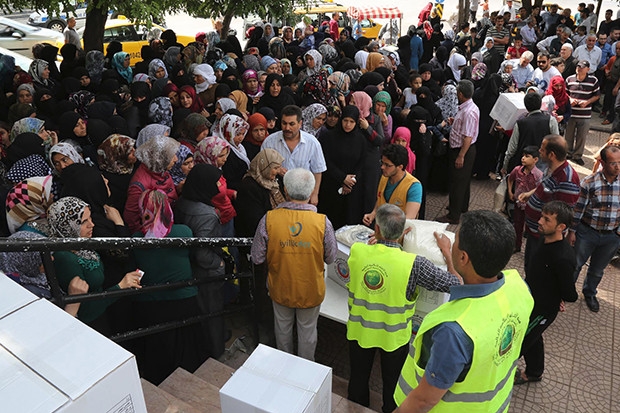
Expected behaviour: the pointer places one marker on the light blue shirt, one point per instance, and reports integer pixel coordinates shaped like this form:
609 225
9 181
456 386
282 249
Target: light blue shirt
520 74
307 154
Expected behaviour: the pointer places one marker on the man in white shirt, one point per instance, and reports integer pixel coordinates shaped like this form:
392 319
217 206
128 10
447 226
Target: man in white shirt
544 72
589 52
508 8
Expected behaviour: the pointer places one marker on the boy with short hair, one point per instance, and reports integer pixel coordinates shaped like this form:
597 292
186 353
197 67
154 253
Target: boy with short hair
522 179
517 49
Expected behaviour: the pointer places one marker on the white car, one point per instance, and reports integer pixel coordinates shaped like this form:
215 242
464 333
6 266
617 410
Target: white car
20 37
20 60
58 23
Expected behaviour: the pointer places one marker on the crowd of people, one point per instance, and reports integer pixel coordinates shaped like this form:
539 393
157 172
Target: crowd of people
212 139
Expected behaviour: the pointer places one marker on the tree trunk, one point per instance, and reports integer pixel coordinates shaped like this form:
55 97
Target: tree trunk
538 3
93 30
463 13
226 24
528 5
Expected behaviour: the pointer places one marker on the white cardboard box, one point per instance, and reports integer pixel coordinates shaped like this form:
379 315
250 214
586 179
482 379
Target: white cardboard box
84 371
272 381
508 108
13 296
339 269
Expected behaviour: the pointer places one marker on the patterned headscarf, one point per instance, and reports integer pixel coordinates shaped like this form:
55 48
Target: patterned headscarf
118 63
113 154
26 125
95 64
28 167
157 153
231 126
36 71
25 266
28 202
341 81
449 103
308 114
160 111
318 61
317 88
247 75
209 149
479 71
149 131
260 171
155 214
384 97
81 99
154 66
65 220
176 172
363 102
66 149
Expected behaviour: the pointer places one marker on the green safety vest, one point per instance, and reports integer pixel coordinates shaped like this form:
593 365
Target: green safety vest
379 311
496 324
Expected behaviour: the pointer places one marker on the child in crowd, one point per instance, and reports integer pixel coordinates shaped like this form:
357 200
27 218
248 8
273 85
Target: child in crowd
522 179
579 38
517 49
409 98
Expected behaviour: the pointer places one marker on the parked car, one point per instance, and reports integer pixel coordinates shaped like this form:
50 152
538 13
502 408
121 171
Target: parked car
20 60
58 23
20 37
132 35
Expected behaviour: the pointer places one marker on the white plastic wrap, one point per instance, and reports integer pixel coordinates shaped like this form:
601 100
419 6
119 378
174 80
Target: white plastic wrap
350 234
420 240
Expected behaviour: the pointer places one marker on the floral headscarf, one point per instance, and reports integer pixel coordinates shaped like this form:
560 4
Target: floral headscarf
363 103
317 88
231 126
154 66
113 154
209 149
318 61
81 99
479 71
182 154
260 171
155 214
28 202
160 111
118 63
157 153
95 64
36 71
65 220
150 131
66 149
308 114
25 265
449 103
384 97
26 125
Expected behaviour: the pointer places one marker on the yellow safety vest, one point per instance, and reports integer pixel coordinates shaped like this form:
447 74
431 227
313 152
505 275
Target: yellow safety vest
496 324
295 256
379 311
399 196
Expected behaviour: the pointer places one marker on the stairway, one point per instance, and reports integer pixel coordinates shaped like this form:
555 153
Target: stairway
184 392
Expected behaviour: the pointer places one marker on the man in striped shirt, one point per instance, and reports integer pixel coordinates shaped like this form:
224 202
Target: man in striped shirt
597 221
583 90
561 183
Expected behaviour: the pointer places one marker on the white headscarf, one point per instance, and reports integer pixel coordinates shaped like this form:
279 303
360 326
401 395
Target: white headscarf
454 62
205 71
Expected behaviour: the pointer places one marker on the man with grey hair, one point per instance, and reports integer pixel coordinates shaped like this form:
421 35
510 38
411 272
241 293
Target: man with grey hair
522 71
294 241
382 292
589 52
462 153
563 37
570 63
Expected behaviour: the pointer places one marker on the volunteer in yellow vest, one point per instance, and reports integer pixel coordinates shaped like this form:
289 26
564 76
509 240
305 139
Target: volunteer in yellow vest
464 357
382 292
294 240
397 186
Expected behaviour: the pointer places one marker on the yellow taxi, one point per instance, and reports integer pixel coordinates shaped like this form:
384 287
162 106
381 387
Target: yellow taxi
132 35
316 15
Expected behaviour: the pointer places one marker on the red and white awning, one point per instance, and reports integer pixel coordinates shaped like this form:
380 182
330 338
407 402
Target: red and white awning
361 13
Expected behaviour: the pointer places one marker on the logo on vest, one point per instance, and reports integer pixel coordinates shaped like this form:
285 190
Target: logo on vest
373 279
295 229
507 336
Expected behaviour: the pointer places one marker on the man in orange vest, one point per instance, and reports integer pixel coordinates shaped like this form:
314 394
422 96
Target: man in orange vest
397 186
294 240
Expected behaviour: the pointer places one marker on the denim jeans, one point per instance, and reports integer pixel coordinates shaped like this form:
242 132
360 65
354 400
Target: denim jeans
600 248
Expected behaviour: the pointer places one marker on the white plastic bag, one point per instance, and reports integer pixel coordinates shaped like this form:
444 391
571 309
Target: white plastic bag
499 199
421 240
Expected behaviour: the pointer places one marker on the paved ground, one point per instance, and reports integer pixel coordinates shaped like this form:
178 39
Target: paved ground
582 348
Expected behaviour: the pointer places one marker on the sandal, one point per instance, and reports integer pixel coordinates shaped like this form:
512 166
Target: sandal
521 378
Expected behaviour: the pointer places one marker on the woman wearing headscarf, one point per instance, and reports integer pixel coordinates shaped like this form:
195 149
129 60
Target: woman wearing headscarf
204 77
160 111
449 103
157 69
26 145
150 131
70 217
479 75
251 87
382 107
120 63
421 144
241 102
430 43
486 143
402 137
334 114
40 72
456 64
440 61
374 60
313 117
372 129
448 42
95 64
62 155
274 97
234 129
184 164
490 56
158 156
316 89
73 127
562 108
313 60
195 209
27 203
192 130
189 100
117 158
158 355
256 135
343 184
222 106
26 168
339 84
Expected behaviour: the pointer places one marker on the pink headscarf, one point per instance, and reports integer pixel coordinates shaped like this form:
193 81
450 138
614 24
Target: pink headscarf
405 134
156 214
363 103
209 149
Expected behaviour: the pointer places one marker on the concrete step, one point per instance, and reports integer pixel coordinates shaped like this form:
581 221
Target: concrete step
160 401
214 372
342 405
194 391
340 389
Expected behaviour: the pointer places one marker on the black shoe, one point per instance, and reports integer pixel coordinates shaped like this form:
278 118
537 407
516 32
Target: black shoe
579 161
592 303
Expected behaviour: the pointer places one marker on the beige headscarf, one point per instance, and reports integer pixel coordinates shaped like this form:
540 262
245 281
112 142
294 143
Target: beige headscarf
260 171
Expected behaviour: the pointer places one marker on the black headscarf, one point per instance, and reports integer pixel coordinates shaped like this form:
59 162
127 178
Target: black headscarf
24 145
66 123
201 183
275 102
352 112
369 78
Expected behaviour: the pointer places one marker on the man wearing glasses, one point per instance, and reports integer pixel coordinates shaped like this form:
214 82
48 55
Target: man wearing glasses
544 72
597 220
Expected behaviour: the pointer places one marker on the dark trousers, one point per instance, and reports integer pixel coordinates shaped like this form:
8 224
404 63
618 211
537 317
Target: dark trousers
460 180
361 366
533 348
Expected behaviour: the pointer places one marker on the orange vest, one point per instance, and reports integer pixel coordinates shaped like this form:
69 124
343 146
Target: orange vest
295 254
399 196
